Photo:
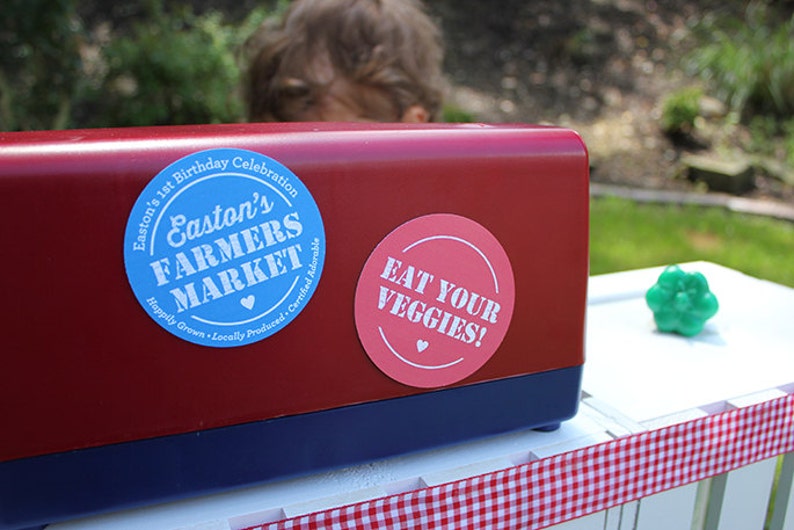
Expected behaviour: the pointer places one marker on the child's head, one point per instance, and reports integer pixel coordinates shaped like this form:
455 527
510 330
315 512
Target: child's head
346 60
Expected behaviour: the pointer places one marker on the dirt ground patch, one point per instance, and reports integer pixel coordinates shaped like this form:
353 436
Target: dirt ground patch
601 67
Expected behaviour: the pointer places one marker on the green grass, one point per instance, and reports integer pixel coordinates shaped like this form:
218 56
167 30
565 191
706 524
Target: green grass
627 235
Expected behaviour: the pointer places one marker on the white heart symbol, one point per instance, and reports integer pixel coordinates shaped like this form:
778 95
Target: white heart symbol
421 345
247 302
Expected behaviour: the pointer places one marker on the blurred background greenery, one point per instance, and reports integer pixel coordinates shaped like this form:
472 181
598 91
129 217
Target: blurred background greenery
70 64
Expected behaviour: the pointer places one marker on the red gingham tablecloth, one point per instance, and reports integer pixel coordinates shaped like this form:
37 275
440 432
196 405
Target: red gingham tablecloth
553 490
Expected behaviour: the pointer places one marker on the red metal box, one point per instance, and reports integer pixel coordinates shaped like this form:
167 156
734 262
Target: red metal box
407 287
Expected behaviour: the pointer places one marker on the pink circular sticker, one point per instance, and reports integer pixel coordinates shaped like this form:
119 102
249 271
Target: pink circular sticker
434 300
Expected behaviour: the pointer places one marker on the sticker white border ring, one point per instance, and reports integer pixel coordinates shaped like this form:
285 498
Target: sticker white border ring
201 291
398 314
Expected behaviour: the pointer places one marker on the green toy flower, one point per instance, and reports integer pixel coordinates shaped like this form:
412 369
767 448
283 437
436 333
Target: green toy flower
681 302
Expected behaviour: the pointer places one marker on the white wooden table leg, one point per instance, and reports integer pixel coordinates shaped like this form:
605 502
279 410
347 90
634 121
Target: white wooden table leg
739 499
783 516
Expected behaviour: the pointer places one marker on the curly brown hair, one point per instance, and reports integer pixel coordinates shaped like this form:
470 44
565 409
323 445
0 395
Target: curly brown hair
389 46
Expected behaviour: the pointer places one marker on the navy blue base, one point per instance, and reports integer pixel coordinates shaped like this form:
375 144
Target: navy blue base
51 488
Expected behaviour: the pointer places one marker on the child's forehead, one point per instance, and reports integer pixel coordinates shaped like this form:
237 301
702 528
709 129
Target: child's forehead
343 100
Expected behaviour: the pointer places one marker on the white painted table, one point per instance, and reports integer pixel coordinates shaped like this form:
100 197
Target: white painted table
643 379
635 380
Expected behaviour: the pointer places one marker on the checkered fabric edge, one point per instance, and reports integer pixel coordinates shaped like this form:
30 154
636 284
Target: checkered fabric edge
553 490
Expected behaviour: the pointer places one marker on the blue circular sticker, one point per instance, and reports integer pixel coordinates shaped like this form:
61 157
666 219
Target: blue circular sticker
224 247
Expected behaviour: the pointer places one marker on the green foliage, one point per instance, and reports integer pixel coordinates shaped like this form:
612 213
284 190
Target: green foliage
680 109
174 68
626 235
40 65
749 62
772 137
171 67
454 114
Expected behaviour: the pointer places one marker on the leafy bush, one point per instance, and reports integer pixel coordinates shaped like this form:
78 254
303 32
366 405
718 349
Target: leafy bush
680 109
174 68
40 65
171 67
749 62
454 114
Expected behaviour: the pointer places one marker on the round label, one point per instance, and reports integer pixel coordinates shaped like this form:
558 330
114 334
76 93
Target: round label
434 300
224 247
